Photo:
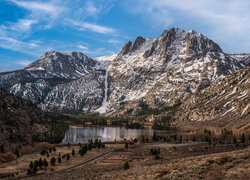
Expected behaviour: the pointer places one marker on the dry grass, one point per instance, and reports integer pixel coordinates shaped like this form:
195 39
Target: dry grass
199 161
183 161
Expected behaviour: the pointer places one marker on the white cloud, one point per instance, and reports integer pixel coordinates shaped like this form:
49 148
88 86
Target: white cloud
83 26
46 14
83 47
114 41
23 62
22 25
90 8
48 8
20 46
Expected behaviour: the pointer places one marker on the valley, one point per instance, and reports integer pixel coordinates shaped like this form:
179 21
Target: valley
173 107
174 160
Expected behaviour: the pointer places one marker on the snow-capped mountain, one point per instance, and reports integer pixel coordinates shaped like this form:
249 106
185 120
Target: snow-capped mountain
159 71
36 80
167 69
81 95
65 64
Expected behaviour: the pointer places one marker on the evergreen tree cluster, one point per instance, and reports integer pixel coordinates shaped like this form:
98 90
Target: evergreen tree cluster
83 150
155 151
37 164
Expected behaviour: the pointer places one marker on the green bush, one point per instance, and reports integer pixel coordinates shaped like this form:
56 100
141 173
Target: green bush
53 161
126 165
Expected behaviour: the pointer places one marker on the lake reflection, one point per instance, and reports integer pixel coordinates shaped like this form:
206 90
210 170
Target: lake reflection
81 135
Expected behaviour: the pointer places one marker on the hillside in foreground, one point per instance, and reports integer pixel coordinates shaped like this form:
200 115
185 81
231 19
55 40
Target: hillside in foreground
21 121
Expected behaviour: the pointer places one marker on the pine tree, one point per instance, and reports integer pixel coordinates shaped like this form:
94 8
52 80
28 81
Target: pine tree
73 152
194 138
17 152
99 144
143 139
45 163
68 156
180 138
126 165
155 137
85 149
243 138
53 161
35 163
59 160
40 163
126 145
31 164
34 170
90 147
2 149
43 152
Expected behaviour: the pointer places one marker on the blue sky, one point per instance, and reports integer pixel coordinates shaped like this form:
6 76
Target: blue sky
29 28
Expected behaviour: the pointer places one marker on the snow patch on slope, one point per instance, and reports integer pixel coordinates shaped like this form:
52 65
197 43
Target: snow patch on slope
105 103
105 60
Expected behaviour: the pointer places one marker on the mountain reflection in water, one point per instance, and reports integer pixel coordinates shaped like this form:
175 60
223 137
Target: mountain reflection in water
82 135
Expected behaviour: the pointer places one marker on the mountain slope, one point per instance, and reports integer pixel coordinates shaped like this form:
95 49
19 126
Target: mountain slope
20 119
167 69
105 61
225 103
242 58
79 96
160 72
53 68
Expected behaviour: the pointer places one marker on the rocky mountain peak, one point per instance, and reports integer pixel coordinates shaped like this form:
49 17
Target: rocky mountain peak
64 64
126 48
168 68
137 43
197 43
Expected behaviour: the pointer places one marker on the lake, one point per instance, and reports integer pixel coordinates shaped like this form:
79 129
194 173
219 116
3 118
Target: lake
82 135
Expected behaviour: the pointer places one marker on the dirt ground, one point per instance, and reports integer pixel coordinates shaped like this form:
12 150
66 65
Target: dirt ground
176 161
20 166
